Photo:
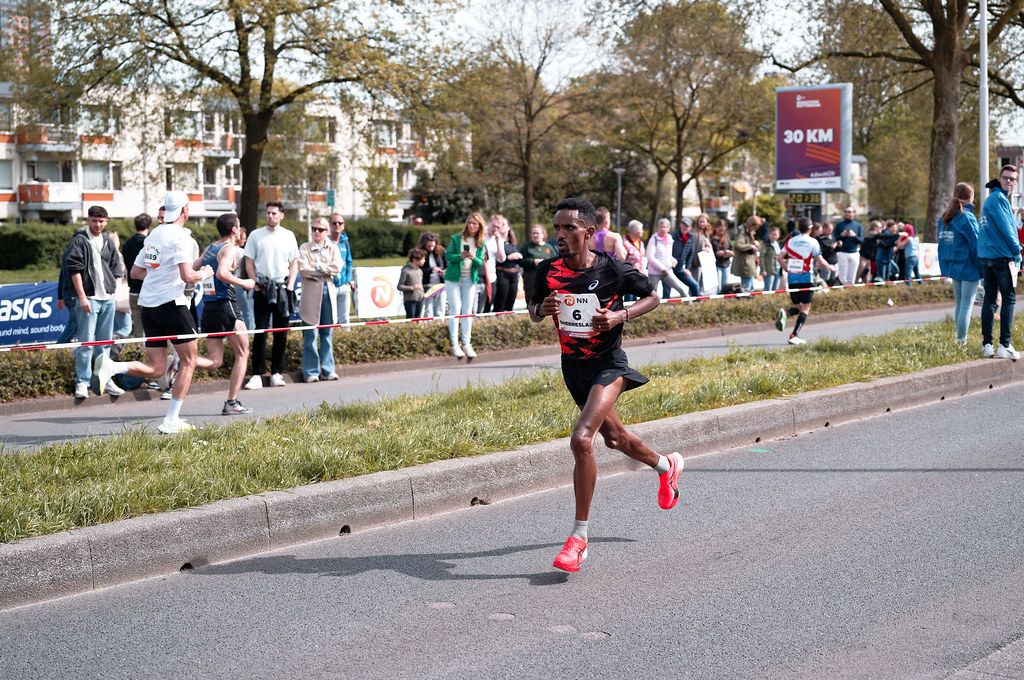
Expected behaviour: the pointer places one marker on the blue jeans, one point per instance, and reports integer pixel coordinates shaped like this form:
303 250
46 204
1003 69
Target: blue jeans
316 361
884 270
996 275
71 329
910 266
723 278
747 282
964 293
461 296
771 282
96 325
344 302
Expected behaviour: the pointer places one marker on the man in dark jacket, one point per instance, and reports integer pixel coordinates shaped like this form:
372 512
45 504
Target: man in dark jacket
683 252
93 266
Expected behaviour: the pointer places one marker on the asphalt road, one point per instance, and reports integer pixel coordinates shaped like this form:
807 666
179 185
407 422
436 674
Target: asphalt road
885 548
103 416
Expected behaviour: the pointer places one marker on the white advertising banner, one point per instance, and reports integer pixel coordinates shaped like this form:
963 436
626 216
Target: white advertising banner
928 260
377 292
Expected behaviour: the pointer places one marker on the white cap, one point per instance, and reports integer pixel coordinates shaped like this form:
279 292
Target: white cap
173 203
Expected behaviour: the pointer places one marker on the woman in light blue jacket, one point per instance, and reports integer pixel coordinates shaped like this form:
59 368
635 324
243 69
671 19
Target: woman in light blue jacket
958 255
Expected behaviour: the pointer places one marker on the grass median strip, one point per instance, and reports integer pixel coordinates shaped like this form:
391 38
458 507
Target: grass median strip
104 479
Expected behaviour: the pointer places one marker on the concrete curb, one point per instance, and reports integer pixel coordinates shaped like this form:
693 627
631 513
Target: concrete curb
83 560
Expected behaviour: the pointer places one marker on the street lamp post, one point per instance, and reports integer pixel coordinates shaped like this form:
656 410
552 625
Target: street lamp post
619 172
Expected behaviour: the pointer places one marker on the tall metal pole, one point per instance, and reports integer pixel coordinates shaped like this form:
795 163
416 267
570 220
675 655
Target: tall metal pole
618 201
983 98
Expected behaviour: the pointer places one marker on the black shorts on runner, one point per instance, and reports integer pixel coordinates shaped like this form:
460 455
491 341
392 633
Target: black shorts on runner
798 296
165 320
580 376
219 316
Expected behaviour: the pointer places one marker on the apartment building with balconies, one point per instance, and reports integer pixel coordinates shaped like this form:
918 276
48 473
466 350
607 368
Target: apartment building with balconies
124 150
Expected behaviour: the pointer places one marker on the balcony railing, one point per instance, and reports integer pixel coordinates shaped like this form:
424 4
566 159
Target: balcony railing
41 193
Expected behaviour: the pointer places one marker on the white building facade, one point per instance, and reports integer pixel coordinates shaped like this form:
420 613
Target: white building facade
125 151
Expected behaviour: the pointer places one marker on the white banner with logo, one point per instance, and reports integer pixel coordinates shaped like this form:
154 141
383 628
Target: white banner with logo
928 259
377 294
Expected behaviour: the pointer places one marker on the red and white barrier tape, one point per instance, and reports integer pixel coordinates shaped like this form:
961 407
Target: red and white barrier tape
256 331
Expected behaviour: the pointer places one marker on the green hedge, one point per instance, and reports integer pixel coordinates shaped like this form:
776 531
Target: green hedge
30 374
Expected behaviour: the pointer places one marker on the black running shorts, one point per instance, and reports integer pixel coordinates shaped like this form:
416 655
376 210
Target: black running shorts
219 316
798 296
580 376
166 320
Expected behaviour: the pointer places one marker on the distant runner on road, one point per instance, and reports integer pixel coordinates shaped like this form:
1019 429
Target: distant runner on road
796 258
582 290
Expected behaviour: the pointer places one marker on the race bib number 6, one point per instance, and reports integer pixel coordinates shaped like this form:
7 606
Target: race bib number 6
576 312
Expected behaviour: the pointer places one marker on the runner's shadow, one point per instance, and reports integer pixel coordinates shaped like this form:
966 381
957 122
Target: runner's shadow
426 566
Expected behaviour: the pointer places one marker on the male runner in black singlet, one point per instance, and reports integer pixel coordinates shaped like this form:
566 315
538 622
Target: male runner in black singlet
582 290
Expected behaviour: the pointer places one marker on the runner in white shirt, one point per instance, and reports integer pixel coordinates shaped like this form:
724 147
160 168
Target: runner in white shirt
796 257
165 265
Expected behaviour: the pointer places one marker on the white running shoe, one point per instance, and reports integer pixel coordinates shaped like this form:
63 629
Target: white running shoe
102 370
468 349
456 351
112 389
81 390
277 380
796 340
176 426
1007 352
988 351
312 378
255 383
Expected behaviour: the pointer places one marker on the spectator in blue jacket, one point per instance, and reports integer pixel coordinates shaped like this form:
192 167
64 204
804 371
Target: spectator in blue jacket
998 250
958 255
343 282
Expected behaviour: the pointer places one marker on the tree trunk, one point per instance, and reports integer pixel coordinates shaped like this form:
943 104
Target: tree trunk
256 127
656 201
945 120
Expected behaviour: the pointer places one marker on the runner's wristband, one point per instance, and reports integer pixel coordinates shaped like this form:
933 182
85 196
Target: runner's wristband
627 313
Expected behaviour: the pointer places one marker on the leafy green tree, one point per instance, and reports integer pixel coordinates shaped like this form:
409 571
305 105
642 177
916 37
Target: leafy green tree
686 91
935 39
265 55
770 207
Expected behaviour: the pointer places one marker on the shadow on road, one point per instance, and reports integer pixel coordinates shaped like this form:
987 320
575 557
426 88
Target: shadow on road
426 566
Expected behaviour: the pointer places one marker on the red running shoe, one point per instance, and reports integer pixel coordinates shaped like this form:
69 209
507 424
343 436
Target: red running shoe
572 555
668 492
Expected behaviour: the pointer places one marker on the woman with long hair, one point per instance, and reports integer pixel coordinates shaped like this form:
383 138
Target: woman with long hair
433 273
506 265
958 255
723 252
660 262
465 258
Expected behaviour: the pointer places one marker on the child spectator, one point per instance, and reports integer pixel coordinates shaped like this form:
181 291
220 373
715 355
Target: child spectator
769 254
410 282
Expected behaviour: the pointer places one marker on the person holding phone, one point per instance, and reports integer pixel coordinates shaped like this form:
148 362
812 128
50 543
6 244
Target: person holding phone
465 258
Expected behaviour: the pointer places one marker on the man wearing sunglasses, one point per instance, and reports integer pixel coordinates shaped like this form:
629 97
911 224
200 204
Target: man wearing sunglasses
343 282
999 252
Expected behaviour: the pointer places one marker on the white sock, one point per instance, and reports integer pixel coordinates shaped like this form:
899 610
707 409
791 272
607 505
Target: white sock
174 409
580 530
662 466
